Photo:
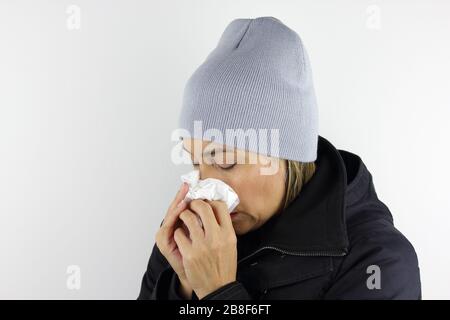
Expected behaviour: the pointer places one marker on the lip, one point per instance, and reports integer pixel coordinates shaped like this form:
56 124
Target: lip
233 214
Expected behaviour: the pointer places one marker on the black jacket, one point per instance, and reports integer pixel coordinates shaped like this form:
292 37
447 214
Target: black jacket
335 241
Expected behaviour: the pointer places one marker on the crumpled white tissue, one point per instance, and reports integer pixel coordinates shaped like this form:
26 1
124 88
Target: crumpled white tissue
209 189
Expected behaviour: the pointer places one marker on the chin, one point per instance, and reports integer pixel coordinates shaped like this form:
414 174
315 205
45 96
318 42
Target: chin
243 224
240 228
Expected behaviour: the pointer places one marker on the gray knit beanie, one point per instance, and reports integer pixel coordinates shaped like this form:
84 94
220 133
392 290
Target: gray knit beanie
257 80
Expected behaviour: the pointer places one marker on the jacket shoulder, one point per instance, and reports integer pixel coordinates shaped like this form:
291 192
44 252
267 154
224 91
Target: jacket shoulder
381 264
157 263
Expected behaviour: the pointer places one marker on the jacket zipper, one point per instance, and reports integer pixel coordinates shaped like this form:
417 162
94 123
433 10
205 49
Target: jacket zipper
338 253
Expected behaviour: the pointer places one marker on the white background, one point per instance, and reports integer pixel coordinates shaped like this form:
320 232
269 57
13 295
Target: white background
86 116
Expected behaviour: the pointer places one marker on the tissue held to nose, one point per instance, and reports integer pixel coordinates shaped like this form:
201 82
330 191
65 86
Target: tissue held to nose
209 189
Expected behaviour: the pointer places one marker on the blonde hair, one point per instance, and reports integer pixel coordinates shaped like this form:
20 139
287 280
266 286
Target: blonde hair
297 175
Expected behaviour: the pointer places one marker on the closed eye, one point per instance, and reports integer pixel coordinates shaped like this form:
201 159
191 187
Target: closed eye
226 167
195 165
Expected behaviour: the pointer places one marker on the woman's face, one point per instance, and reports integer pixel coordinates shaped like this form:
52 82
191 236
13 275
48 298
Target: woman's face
258 180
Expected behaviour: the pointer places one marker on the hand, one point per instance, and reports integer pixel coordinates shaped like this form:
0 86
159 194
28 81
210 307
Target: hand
209 254
165 236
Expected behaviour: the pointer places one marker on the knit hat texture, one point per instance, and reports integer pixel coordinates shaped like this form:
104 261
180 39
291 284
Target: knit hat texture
256 80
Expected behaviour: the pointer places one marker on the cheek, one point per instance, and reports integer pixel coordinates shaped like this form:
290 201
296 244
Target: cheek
259 195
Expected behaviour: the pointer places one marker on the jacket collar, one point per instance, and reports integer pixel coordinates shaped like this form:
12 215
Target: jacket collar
361 190
315 221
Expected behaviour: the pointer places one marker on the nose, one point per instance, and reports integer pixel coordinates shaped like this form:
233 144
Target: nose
207 171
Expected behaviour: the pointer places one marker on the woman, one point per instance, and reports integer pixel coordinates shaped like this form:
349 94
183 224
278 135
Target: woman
309 224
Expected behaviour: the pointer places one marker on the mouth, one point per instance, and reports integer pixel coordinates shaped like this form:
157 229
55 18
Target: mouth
233 214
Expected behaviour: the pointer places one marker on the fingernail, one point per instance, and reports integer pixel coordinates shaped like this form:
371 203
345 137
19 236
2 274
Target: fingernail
180 204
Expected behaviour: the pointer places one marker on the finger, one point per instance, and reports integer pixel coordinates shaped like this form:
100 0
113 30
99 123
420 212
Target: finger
170 223
206 213
221 212
176 208
182 241
191 221
181 194
172 217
